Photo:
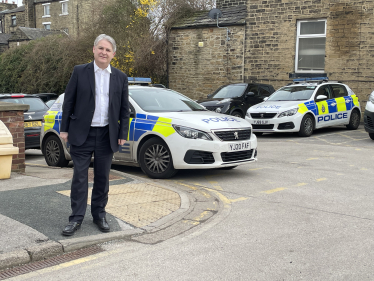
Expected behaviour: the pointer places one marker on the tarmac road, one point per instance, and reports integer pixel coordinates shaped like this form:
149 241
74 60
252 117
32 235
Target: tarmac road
304 211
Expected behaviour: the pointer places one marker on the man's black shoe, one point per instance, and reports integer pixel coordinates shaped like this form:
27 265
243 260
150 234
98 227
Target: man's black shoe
71 228
102 224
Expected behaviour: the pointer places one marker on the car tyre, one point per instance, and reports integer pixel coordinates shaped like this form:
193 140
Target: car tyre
155 159
306 126
354 120
54 152
237 114
371 135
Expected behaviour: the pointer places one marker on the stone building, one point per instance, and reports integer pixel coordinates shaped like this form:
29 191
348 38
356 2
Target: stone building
283 39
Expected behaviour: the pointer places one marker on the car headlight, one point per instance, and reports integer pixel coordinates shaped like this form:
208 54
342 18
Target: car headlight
191 133
371 97
288 112
224 100
248 114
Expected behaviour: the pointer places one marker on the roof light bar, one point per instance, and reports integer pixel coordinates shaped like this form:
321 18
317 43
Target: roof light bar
17 96
139 80
311 79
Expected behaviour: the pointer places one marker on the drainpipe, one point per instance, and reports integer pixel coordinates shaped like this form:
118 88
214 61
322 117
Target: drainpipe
245 25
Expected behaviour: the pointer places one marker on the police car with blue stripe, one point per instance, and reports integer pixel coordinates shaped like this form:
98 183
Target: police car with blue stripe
304 106
168 131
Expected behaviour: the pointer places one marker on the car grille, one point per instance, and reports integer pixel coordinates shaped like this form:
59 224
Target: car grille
236 156
233 135
199 157
263 115
370 122
266 127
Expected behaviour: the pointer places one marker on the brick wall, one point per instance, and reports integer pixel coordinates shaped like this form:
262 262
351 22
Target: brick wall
271 41
198 71
13 120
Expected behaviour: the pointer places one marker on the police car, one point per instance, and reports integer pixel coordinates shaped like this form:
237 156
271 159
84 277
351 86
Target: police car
369 116
304 106
167 132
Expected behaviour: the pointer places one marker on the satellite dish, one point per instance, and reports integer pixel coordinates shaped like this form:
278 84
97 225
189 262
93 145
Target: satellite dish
215 13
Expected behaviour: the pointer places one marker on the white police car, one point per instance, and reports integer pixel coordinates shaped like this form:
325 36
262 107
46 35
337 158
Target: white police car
168 131
304 106
369 116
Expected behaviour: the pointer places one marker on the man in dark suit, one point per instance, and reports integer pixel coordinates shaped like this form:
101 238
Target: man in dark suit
95 120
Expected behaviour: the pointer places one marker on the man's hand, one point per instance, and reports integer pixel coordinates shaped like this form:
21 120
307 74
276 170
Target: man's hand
64 136
121 142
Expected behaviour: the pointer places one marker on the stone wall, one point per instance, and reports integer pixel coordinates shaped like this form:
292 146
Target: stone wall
271 41
80 15
7 6
20 21
3 48
221 4
12 117
198 71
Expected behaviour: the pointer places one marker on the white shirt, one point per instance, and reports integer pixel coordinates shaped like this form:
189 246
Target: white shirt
102 78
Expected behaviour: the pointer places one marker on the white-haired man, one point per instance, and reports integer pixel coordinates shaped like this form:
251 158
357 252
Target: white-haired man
96 98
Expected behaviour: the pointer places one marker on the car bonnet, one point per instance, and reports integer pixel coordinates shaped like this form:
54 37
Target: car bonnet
275 106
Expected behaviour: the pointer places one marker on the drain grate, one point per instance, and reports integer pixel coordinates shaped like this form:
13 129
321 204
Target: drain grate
27 268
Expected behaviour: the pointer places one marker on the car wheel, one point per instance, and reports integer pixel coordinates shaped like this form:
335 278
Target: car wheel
237 114
354 121
54 152
306 126
155 159
371 135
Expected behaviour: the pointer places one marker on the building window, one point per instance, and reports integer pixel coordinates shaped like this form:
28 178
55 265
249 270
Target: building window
310 46
64 6
47 12
47 25
14 20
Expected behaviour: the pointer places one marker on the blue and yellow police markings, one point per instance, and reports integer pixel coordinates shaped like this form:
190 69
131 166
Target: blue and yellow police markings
331 109
124 148
52 121
145 123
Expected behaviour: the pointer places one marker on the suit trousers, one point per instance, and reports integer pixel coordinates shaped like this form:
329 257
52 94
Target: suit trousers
98 144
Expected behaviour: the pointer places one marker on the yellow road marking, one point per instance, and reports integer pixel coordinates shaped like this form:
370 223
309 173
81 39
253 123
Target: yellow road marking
256 169
273 190
321 179
301 184
312 159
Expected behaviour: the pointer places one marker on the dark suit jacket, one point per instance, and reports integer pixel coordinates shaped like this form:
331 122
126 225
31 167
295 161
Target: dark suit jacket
79 105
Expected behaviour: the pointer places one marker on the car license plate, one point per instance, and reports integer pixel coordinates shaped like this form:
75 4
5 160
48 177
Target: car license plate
239 146
260 122
33 124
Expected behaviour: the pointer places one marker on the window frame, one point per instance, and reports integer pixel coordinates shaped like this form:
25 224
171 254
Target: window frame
44 10
13 20
46 23
63 3
298 36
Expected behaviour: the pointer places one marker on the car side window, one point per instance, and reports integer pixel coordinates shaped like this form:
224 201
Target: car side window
324 90
254 89
264 91
339 91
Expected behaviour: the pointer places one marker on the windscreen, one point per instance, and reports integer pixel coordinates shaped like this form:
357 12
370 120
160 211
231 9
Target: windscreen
34 103
293 93
230 91
163 100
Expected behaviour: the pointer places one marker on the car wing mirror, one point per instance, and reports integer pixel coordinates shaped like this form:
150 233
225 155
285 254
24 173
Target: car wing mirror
132 115
321 97
249 94
266 98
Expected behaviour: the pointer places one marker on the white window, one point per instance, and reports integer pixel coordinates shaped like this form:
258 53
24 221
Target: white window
14 20
46 8
64 6
47 25
310 46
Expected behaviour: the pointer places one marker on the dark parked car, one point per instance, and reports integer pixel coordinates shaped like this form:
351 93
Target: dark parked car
33 117
235 99
47 96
